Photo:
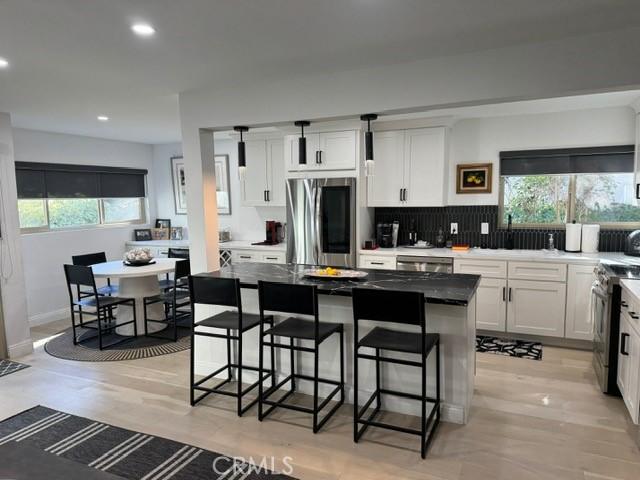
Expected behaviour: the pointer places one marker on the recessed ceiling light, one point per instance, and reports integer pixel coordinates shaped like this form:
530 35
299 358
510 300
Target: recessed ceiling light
4 63
143 29
103 118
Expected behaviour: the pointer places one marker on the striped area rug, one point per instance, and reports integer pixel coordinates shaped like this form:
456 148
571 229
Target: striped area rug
125 453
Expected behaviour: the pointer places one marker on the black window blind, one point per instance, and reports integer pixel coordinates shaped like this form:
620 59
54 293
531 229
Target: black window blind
614 159
49 180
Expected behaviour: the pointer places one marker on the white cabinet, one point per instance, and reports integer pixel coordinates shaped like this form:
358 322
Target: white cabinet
551 272
491 310
628 361
486 268
256 256
535 307
264 183
377 262
325 151
384 188
579 321
410 169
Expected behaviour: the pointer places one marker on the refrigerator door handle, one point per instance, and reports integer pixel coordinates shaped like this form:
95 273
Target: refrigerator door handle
318 242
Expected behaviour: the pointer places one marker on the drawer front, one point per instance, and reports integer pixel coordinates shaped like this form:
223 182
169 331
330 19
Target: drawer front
244 256
552 272
630 307
275 257
377 262
486 268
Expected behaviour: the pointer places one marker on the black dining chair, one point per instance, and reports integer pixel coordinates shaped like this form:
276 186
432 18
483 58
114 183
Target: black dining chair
224 292
91 259
176 304
182 253
81 277
300 300
401 308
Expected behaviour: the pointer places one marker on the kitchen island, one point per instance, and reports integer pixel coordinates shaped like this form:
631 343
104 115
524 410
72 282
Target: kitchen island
450 311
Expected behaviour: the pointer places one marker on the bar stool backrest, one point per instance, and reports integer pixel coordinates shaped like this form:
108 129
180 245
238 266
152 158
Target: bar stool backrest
80 276
215 291
178 253
89 259
182 270
394 306
288 298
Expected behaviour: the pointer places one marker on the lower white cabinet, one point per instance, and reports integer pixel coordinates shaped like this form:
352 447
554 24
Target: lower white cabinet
377 262
491 312
536 308
579 320
628 361
256 256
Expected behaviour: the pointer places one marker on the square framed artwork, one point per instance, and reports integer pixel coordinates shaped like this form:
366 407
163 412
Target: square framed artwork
474 178
179 185
223 190
142 234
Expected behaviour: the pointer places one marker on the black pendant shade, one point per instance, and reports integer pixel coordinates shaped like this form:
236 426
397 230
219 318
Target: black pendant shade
368 136
302 142
242 155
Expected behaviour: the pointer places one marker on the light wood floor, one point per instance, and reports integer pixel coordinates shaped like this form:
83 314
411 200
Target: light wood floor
530 420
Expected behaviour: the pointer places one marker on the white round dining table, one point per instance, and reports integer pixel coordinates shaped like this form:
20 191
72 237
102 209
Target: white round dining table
137 283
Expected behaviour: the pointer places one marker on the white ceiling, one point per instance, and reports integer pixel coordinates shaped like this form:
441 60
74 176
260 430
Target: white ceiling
72 60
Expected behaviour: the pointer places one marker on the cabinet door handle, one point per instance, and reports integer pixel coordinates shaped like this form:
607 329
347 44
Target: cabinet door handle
245 256
376 263
318 156
638 191
634 315
405 194
268 196
509 293
624 304
504 294
401 193
271 258
264 195
623 344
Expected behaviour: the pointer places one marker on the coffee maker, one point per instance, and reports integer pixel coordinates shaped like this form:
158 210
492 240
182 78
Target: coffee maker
387 234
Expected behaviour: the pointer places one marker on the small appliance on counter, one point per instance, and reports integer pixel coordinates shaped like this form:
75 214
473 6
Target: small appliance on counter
273 233
573 238
413 233
632 244
370 245
387 234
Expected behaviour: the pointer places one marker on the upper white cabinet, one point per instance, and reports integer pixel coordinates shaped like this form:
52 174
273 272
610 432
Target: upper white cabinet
410 168
264 183
579 323
325 151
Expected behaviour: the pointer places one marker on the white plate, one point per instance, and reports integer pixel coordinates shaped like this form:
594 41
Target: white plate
342 274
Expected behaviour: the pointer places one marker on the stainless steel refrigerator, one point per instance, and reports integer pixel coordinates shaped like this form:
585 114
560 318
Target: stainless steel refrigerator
321 220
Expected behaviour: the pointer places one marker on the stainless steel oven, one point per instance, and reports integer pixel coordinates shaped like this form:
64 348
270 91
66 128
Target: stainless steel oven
321 219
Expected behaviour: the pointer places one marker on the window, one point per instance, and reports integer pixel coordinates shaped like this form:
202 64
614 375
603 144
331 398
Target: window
552 187
53 196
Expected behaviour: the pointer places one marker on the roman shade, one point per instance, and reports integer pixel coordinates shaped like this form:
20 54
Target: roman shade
51 180
615 159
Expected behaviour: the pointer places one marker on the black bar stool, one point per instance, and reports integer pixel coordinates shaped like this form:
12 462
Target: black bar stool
400 307
176 304
300 300
182 253
103 322
223 292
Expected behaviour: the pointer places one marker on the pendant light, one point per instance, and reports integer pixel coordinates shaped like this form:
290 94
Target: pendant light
369 163
302 142
242 158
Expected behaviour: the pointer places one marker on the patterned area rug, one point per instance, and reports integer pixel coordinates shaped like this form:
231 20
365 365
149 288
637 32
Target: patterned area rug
7 367
62 346
510 348
125 453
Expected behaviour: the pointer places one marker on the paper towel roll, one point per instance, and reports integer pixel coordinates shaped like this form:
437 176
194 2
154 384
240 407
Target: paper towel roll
573 236
590 238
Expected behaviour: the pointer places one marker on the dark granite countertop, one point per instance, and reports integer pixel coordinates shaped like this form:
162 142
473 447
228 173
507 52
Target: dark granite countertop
452 289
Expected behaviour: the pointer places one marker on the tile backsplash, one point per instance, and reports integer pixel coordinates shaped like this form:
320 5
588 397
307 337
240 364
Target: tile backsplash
430 219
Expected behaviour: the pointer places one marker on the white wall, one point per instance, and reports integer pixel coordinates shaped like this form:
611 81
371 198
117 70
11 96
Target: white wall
45 253
12 281
481 140
581 64
246 223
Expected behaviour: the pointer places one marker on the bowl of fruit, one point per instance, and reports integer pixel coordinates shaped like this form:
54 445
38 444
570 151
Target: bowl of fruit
334 273
138 257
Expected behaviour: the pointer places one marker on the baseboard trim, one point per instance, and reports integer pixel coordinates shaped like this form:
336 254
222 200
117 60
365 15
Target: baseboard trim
48 317
21 349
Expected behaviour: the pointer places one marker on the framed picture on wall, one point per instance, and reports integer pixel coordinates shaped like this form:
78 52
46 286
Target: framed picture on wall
223 192
474 178
179 185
